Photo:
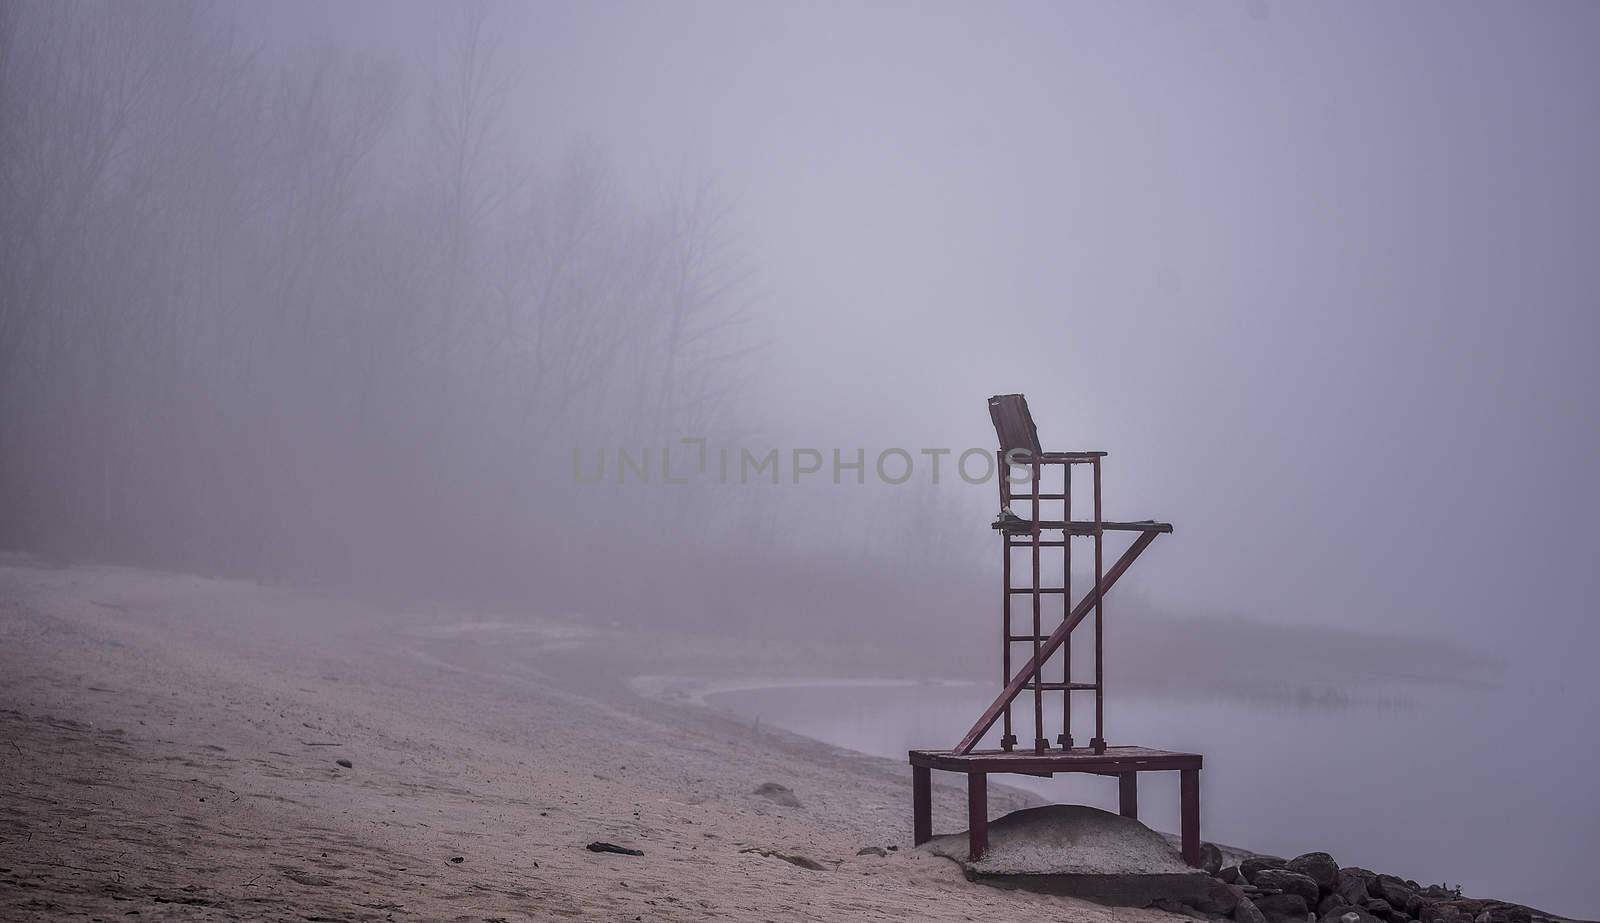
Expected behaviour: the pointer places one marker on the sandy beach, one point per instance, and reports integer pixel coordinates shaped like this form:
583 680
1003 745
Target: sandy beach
171 748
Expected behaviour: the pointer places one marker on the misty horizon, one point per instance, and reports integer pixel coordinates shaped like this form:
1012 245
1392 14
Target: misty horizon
682 317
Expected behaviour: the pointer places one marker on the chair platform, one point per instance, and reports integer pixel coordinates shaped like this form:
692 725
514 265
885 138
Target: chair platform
1123 762
1114 761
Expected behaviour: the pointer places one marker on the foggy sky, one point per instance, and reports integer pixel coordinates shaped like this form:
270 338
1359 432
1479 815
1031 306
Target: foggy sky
1320 278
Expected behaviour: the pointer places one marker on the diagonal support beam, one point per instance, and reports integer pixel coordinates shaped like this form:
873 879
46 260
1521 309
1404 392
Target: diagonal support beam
1080 612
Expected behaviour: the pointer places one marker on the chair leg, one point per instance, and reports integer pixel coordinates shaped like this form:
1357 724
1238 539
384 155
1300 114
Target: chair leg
1189 805
977 815
921 805
1128 794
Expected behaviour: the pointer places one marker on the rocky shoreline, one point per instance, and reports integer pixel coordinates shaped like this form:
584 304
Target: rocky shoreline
1314 888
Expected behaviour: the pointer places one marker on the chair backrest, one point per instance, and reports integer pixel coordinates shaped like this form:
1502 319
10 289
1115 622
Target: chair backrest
1013 423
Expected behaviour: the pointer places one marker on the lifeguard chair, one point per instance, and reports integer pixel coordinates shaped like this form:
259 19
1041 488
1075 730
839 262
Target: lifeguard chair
1020 449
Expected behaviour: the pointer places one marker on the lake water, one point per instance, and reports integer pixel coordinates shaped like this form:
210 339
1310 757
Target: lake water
1425 782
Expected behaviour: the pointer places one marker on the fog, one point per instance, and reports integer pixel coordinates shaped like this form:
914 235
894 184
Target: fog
330 295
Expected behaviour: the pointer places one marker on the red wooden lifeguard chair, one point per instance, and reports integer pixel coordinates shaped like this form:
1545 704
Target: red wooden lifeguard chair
1019 448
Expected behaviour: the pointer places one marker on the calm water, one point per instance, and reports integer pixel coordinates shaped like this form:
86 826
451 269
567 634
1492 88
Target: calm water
1428 783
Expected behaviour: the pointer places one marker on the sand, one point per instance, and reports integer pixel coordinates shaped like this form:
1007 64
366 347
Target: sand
1068 839
168 750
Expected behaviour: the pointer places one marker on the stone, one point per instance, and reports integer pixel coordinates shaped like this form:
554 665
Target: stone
1355 884
1348 914
1210 858
1177 907
1353 890
1441 913
1289 883
872 851
1216 902
1330 902
778 794
1319 867
1249 867
1394 890
1245 912
1230 875
1379 908
1282 908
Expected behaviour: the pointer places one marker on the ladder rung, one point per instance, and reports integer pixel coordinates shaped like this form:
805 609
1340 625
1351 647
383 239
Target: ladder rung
1029 590
1027 496
1057 687
1042 543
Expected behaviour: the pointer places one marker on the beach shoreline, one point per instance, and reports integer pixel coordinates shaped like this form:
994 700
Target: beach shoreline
173 747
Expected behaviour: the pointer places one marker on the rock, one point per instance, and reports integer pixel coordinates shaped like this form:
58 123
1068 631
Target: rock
458 859
1230 875
1177 907
778 794
1249 867
1246 912
1379 907
1289 883
1210 858
1397 891
1355 884
600 846
1282 908
346 764
1216 901
1442 913
1348 914
1319 867
1330 902
872 851
1354 891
